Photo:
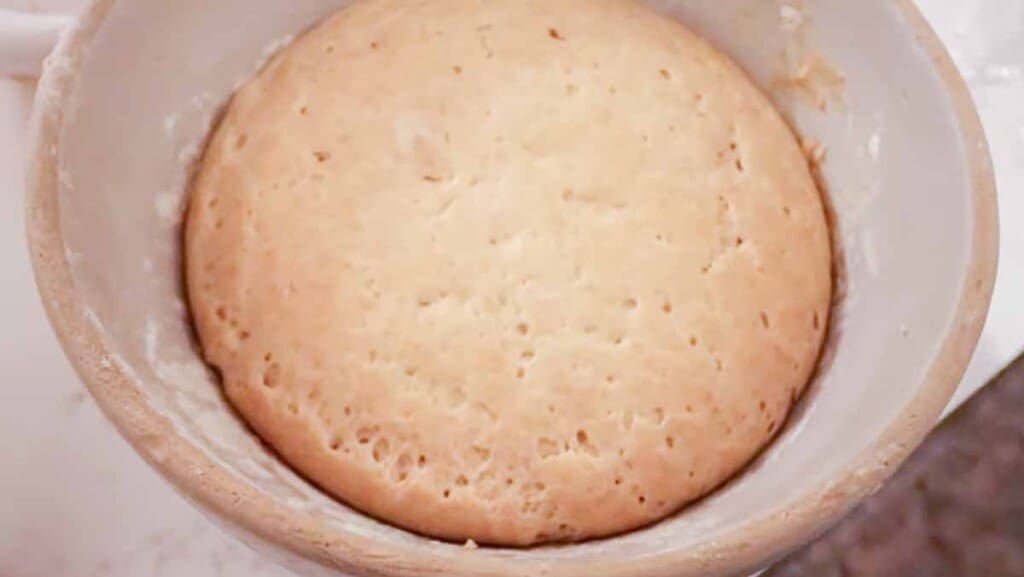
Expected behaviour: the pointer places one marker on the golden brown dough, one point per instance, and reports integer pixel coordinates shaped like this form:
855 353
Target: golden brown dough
515 271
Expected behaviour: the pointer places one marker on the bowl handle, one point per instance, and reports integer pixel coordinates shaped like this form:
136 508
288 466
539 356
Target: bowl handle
26 38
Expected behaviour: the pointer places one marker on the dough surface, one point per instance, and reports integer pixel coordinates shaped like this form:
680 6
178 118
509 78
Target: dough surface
516 271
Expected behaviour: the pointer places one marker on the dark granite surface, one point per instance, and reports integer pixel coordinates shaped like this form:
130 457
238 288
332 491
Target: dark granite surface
955 509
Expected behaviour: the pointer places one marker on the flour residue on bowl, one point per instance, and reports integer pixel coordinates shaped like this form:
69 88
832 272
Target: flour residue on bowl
807 72
792 16
819 82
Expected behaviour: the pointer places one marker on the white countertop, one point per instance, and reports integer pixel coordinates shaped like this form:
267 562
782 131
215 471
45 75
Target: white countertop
78 502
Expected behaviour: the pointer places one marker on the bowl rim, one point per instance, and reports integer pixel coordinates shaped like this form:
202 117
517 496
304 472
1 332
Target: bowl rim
207 484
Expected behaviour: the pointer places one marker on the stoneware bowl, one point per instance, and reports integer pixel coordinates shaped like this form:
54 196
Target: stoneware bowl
132 89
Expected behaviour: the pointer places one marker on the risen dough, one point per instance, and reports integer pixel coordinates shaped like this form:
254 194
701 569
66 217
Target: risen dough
510 270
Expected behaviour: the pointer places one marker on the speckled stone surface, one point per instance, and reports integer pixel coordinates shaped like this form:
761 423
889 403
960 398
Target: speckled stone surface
955 509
